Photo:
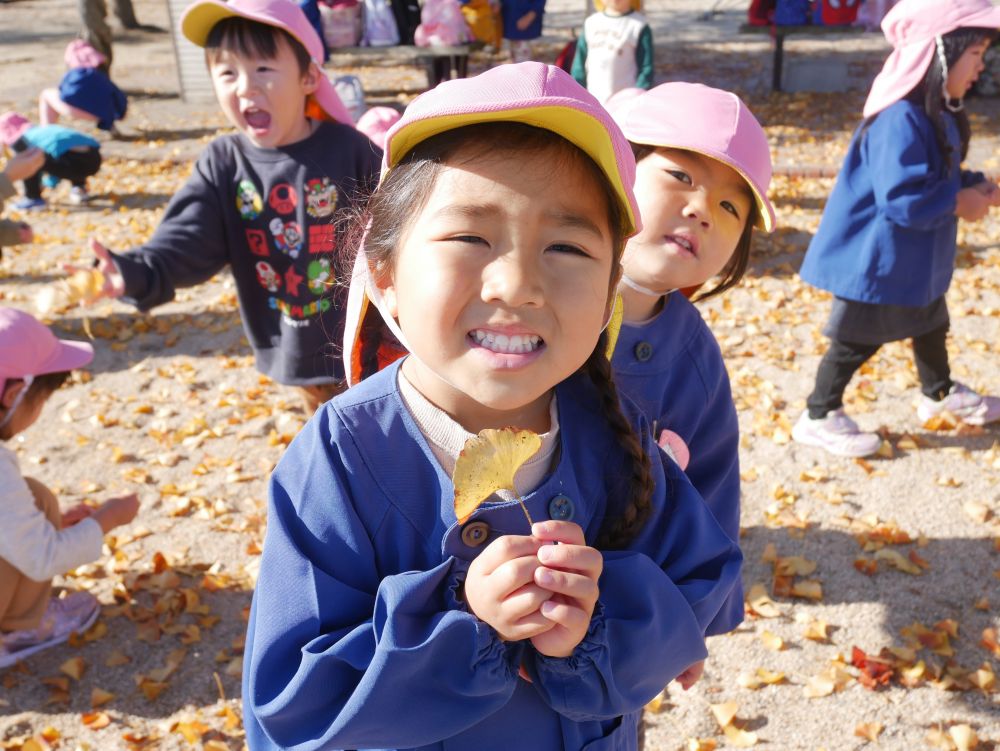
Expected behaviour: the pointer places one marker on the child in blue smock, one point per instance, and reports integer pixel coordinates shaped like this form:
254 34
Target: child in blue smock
703 167
886 243
522 22
85 91
381 622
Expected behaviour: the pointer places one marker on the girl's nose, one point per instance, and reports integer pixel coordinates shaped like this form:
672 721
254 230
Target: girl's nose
697 208
512 280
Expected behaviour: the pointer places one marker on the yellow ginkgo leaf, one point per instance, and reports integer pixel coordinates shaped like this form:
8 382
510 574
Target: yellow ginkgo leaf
488 463
615 325
84 285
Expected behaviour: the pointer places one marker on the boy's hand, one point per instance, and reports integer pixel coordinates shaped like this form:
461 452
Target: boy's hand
25 233
569 571
500 588
971 204
526 20
24 164
78 513
116 512
114 283
691 676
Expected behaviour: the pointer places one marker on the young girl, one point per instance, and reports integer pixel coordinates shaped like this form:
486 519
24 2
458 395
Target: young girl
378 621
886 244
702 173
39 541
85 91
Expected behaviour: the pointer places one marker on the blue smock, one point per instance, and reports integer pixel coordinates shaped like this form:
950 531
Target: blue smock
358 636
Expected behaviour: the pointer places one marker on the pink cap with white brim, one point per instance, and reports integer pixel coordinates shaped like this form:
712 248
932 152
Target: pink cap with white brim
911 27
28 348
201 17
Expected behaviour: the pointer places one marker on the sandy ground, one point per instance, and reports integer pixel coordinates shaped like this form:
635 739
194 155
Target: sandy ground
173 409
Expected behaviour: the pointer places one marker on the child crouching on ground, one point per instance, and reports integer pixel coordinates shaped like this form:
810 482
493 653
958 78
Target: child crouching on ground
39 541
23 165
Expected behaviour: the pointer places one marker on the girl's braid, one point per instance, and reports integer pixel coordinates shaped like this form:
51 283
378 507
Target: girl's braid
620 529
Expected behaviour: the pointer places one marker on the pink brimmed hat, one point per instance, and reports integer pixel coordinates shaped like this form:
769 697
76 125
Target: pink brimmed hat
12 127
201 17
29 348
530 93
698 118
911 27
82 54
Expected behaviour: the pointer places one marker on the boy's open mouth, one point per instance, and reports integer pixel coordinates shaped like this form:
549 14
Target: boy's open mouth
257 119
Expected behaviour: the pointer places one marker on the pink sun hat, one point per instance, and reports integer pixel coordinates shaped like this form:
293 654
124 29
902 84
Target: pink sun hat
201 17
12 126
82 54
911 27
707 121
531 93
376 121
29 348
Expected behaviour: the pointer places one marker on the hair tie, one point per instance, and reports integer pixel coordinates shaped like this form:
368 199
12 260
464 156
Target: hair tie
943 59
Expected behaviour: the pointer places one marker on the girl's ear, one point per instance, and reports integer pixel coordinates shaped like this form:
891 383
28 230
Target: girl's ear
10 393
310 81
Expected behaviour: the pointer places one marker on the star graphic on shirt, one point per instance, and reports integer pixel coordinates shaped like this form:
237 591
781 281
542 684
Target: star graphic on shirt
292 280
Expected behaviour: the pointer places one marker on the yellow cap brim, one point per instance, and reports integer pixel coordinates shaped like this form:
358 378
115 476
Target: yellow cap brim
199 20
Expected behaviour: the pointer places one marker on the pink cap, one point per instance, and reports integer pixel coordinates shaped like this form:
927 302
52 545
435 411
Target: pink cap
12 127
201 17
910 27
81 54
530 93
708 121
29 348
375 123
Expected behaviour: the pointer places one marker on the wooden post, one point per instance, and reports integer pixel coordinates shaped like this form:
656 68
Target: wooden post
196 86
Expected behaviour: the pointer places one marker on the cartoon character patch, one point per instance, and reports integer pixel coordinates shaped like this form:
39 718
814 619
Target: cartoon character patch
321 197
320 277
287 236
269 278
248 200
283 198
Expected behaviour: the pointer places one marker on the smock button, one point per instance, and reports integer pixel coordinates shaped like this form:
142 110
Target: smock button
561 508
643 351
474 534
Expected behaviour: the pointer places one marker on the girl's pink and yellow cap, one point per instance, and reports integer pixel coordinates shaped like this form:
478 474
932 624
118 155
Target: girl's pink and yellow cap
530 93
698 118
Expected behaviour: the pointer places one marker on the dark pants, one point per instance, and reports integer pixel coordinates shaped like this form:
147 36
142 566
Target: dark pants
843 359
75 166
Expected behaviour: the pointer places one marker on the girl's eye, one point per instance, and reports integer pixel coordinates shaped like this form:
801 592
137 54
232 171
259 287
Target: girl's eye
470 239
684 177
571 249
727 206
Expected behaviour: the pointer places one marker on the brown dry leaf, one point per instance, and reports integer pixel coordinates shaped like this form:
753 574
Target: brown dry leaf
759 678
984 678
989 641
809 589
772 641
760 602
100 697
95 720
978 512
83 286
896 559
964 737
488 463
739 738
214 745
74 667
192 730
870 731
117 658
817 630
152 689
656 704
724 713
794 566
701 744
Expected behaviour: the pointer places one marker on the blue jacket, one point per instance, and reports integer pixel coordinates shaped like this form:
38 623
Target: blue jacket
90 90
888 233
511 10
357 636
55 140
672 368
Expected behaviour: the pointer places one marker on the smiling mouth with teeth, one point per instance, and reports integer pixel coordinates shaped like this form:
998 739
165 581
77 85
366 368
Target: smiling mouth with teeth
517 344
683 242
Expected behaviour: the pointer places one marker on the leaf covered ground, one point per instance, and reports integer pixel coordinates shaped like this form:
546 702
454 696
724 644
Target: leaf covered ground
873 587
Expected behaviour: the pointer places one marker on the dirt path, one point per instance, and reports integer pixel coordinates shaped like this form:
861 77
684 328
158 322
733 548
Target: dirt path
173 409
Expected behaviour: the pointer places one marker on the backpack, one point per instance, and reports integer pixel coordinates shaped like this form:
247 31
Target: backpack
837 12
352 94
566 56
441 25
380 24
483 19
792 12
341 22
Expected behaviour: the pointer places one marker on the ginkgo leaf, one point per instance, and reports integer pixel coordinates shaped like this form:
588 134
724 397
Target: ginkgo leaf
82 286
488 463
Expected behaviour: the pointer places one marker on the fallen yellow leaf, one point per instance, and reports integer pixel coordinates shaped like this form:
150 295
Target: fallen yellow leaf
488 463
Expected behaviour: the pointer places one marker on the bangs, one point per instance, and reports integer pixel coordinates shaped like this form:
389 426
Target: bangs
252 39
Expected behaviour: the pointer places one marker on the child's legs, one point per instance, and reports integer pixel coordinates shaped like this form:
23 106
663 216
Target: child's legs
23 600
50 107
930 354
520 50
75 166
835 371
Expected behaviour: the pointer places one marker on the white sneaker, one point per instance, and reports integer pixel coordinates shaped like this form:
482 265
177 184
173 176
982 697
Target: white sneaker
837 433
964 403
76 612
78 195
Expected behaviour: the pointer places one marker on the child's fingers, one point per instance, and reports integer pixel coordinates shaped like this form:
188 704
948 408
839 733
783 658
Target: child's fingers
556 531
529 627
523 602
567 615
504 549
510 576
580 558
572 585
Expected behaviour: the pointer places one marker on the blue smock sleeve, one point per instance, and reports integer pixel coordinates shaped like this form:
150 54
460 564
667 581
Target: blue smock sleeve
656 600
907 172
341 655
